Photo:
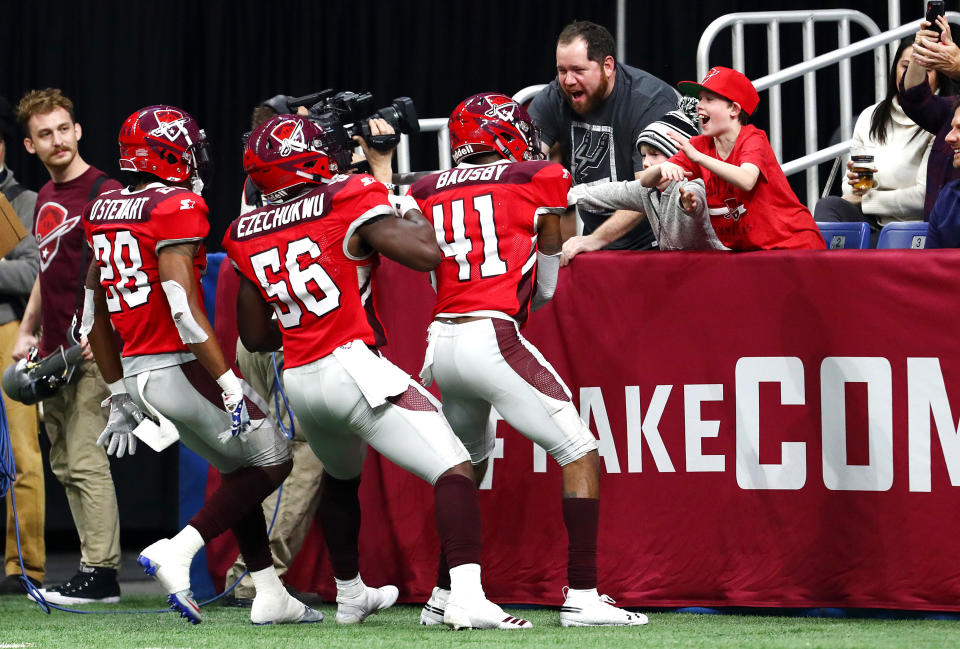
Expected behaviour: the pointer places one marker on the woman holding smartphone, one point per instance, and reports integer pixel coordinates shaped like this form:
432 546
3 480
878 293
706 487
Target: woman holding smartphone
932 51
891 187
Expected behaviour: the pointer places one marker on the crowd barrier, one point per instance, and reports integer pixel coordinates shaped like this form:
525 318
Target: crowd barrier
776 429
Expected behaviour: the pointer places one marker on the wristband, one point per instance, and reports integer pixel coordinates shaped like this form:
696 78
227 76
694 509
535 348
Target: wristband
229 383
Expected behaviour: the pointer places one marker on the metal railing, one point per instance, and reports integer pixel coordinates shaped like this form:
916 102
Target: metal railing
775 77
771 82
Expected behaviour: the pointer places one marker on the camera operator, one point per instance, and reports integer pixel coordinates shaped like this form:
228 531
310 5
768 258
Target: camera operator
301 489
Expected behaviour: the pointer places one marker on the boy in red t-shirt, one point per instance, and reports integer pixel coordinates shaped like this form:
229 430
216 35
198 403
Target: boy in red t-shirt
750 203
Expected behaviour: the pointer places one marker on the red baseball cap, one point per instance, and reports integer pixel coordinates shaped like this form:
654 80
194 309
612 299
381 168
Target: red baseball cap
727 83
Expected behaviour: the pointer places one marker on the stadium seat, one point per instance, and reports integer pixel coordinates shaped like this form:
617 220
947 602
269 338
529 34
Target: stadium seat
903 234
854 234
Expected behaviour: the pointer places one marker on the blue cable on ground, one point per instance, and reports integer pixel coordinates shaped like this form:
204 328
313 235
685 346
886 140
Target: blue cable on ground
8 474
278 394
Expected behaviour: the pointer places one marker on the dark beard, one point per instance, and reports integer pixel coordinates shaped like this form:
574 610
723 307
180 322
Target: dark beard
593 101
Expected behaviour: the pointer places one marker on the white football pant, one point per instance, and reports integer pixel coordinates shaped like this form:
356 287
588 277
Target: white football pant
188 400
487 363
339 422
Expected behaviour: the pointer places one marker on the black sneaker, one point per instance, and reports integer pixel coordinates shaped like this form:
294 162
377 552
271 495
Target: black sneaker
88 586
233 601
13 586
310 599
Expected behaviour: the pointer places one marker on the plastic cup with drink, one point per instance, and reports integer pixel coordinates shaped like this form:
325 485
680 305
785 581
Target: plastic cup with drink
861 170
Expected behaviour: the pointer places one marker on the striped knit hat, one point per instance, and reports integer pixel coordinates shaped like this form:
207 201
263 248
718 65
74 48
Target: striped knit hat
679 121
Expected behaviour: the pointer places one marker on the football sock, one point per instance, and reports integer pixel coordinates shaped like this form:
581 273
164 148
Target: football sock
266 581
350 587
443 572
582 518
457 513
465 579
188 540
339 511
251 534
239 492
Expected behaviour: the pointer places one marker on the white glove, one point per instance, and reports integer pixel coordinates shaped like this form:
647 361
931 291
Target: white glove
234 403
404 204
124 417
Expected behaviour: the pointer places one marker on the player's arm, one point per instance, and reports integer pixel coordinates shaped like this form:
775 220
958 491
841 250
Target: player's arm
549 246
617 225
29 324
95 325
409 240
258 330
177 279
175 266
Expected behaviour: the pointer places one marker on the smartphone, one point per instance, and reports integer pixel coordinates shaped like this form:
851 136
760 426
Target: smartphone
934 9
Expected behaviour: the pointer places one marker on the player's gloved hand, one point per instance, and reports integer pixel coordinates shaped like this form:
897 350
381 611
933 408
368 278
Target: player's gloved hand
404 204
233 402
124 417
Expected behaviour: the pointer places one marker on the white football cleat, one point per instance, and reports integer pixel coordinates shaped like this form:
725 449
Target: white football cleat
479 613
432 613
353 610
281 608
588 608
165 563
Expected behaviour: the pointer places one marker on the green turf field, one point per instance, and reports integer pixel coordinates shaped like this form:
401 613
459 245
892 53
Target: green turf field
23 624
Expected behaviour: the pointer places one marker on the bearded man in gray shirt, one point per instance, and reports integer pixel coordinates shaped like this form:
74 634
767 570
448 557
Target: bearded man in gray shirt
590 117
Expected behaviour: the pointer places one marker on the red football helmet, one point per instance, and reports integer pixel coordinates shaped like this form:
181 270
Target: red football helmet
288 152
493 122
164 141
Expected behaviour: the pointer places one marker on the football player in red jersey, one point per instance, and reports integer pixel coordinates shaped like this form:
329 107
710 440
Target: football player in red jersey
300 256
496 218
145 280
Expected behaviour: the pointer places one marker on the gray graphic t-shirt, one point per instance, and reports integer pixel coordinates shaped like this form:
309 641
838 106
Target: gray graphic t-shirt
600 147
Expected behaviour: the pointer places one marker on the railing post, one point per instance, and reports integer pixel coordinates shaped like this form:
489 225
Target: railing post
893 20
443 148
810 113
622 31
776 108
846 91
737 44
880 67
403 154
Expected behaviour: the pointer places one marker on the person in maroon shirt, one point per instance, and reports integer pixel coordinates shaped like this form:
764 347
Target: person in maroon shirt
73 416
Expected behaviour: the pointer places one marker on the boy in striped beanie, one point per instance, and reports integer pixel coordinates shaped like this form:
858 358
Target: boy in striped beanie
673 229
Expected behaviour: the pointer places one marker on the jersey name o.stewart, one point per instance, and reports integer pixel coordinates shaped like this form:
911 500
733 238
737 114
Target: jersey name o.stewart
296 254
126 230
485 218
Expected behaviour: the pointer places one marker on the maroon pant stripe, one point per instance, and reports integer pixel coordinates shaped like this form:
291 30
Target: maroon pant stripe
524 363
